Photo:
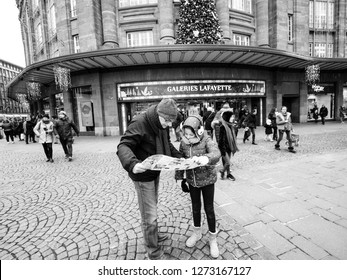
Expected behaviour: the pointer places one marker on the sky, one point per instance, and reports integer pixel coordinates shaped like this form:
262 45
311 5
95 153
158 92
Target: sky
11 45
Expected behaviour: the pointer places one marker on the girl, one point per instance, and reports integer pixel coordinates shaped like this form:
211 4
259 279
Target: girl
44 130
227 142
268 130
198 145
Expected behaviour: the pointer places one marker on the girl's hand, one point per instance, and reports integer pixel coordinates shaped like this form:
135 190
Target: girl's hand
202 160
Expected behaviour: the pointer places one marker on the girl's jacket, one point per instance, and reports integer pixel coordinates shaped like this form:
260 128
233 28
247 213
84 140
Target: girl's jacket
204 175
44 131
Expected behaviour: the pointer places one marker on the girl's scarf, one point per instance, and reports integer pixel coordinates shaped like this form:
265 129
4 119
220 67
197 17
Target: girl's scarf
162 144
229 129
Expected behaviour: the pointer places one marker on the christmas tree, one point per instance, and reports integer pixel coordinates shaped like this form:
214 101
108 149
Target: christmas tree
198 23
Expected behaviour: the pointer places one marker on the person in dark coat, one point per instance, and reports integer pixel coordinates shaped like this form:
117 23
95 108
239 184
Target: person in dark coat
7 125
176 125
227 142
207 120
323 112
148 134
250 122
315 113
29 130
63 131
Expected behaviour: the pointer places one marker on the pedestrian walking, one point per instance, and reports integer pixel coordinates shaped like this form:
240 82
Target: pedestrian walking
28 127
146 135
198 145
250 122
342 112
268 130
284 124
207 120
227 142
44 130
7 126
63 131
315 113
217 122
323 112
272 117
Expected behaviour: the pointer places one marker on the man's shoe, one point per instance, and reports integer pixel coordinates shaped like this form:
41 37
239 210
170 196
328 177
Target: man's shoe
253 143
277 148
47 160
221 174
70 158
162 237
51 160
231 177
292 151
66 156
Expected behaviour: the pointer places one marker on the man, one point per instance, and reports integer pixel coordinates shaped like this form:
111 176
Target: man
146 135
284 125
207 120
323 112
63 131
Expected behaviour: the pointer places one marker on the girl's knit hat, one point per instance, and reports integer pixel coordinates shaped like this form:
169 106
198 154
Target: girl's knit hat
195 123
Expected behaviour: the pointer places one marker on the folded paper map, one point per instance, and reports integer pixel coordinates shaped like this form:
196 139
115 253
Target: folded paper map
162 162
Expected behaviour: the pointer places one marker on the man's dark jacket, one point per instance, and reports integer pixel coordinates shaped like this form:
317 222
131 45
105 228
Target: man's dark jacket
144 137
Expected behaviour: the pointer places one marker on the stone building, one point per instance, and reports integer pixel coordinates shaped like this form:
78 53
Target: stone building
8 105
122 57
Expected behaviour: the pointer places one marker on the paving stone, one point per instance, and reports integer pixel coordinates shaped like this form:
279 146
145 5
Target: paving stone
327 235
309 248
294 254
280 211
276 244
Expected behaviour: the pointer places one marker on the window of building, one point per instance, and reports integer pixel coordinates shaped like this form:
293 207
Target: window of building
241 40
321 14
330 50
320 49
241 5
140 38
290 28
76 43
39 35
73 8
52 27
126 3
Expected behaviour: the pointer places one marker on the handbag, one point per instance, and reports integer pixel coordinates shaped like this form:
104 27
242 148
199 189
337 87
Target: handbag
185 186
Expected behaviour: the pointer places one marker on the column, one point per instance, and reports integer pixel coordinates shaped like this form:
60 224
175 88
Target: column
222 7
166 25
109 25
262 20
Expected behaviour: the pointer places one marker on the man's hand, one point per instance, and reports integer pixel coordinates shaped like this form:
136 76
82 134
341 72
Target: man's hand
139 168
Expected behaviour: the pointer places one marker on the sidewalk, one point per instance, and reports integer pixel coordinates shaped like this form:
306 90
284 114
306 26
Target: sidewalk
281 206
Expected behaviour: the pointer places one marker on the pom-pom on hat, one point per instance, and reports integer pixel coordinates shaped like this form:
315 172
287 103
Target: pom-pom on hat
167 108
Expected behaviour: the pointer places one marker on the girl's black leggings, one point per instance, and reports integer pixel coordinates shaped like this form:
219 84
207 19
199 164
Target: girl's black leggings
208 197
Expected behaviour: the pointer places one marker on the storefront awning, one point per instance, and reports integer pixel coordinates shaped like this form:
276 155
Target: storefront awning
42 71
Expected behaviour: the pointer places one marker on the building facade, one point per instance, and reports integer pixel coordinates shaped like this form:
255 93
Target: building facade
122 58
10 105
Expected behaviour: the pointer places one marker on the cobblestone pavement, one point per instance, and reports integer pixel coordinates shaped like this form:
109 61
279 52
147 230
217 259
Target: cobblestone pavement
87 208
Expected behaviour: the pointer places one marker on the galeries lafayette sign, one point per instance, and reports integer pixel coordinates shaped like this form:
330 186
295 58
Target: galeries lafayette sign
196 88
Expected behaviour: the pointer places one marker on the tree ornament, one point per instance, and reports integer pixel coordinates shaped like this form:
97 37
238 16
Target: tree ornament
62 77
196 33
33 91
312 73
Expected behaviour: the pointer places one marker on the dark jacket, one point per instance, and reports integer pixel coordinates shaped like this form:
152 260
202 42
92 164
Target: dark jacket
144 137
204 175
323 112
272 117
64 129
7 126
251 121
207 119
